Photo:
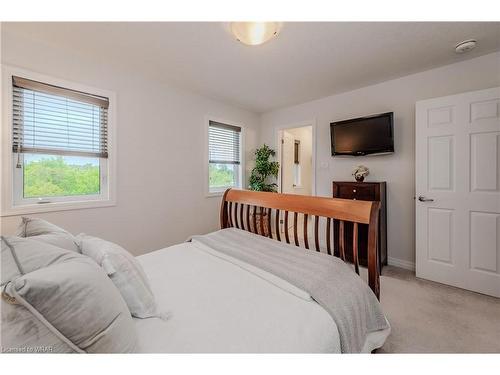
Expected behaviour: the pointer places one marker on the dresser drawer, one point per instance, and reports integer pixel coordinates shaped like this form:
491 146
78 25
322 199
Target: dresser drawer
364 193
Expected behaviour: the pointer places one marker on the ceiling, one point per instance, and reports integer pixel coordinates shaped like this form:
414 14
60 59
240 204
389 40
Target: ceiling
305 62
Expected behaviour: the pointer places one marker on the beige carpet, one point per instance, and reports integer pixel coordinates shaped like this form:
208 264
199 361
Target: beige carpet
428 317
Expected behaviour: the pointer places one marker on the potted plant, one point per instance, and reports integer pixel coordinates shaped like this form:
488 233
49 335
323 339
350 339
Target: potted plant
263 170
261 179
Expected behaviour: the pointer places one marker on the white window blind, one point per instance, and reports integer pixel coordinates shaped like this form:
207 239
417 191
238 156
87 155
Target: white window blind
223 143
53 120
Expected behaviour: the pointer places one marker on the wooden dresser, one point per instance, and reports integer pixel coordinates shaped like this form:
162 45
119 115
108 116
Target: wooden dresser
367 191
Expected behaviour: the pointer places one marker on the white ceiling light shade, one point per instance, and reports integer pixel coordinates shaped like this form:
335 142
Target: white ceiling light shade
255 33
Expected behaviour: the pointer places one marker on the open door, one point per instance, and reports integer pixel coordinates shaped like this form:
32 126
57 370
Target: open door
296 168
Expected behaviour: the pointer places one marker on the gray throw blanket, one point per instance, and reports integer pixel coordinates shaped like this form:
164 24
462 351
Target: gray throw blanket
330 282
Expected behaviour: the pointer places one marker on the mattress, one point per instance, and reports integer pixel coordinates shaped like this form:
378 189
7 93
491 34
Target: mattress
210 304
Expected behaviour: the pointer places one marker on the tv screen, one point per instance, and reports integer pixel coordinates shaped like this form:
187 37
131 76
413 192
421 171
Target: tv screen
363 136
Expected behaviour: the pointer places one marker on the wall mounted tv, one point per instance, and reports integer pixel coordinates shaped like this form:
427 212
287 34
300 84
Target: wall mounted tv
363 136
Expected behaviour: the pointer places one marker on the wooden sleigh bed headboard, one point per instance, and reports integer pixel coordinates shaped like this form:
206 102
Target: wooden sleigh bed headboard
261 212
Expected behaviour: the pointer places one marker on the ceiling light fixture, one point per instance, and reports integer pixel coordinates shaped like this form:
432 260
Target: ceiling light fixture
255 33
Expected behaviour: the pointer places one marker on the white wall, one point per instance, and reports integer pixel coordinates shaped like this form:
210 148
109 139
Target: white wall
399 96
161 181
160 161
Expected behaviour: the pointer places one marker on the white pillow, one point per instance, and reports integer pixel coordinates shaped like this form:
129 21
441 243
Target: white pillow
125 272
25 255
42 230
55 300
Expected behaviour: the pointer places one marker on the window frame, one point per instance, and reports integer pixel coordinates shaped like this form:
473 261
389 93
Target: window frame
241 167
18 182
12 199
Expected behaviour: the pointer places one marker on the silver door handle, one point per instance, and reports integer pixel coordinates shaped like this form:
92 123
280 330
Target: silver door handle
424 199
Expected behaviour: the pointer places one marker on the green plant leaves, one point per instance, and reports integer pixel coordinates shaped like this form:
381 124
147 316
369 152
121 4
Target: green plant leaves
264 170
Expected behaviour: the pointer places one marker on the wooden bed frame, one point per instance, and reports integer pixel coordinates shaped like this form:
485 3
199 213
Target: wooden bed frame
253 211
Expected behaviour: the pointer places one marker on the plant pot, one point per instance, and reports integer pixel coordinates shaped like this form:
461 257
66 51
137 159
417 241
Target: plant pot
360 178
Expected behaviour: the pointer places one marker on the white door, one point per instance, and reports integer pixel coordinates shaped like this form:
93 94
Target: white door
458 190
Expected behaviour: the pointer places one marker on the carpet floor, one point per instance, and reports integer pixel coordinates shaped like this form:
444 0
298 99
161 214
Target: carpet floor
428 317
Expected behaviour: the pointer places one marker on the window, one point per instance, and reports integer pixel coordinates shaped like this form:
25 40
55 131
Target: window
224 157
59 145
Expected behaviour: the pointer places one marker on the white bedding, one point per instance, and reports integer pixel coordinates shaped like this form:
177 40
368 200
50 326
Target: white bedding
217 304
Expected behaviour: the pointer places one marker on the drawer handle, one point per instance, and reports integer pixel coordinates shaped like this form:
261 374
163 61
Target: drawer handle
353 190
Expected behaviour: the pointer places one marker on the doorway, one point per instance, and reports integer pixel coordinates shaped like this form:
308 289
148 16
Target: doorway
296 160
296 157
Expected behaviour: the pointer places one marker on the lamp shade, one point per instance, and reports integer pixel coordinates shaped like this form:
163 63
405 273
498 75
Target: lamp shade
255 33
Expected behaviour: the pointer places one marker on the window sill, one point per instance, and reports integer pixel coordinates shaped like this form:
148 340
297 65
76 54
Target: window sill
56 206
212 194
215 194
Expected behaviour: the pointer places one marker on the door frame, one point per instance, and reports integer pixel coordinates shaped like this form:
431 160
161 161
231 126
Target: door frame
277 141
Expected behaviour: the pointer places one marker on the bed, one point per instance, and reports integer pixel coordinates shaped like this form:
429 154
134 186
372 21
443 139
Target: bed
249 287
211 301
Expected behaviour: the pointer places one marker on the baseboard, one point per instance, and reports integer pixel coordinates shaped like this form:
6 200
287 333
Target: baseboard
401 263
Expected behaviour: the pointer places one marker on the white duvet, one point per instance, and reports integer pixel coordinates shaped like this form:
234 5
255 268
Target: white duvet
214 303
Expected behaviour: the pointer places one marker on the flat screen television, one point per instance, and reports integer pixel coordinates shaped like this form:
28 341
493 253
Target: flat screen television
363 136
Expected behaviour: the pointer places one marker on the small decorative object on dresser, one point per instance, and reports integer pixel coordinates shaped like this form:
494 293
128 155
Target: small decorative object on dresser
360 172
364 191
